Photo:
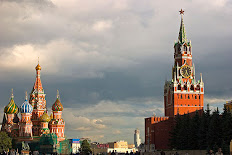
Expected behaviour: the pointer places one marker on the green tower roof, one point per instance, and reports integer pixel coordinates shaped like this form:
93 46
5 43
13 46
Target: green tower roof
182 34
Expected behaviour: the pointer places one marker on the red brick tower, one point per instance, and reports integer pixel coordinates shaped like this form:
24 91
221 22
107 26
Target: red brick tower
38 102
183 94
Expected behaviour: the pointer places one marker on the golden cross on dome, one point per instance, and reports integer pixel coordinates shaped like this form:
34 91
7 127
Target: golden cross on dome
181 11
12 94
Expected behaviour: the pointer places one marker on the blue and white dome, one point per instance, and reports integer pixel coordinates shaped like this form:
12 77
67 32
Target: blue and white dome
26 107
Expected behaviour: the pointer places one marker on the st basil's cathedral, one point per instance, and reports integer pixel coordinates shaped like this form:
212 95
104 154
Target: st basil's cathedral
34 121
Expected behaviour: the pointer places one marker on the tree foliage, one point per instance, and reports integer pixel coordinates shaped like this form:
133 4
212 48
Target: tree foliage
5 142
85 148
205 131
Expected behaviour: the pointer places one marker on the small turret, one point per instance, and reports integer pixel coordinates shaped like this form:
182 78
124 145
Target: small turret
11 108
194 72
57 106
201 81
26 106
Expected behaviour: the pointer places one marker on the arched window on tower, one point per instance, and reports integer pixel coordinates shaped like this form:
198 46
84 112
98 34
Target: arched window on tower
179 87
185 48
181 96
188 97
185 87
192 87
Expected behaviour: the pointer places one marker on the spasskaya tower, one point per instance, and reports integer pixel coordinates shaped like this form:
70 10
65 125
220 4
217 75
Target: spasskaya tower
183 94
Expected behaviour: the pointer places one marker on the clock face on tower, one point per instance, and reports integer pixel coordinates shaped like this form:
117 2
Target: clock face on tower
186 71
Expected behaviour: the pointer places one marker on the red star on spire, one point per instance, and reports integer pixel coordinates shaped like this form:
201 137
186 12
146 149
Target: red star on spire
181 11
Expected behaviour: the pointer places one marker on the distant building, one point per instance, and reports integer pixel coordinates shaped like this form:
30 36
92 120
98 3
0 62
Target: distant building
131 146
137 140
119 146
75 145
228 106
98 148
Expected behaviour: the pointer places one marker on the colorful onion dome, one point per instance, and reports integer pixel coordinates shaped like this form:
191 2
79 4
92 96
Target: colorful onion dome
45 117
38 67
26 107
11 108
57 106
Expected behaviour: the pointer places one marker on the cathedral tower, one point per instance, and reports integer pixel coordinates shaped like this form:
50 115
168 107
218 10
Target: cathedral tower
25 125
44 119
183 94
38 101
10 125
57 124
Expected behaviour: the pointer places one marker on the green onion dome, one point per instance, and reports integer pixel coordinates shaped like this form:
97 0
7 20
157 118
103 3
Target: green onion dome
11 108
45 117
57 106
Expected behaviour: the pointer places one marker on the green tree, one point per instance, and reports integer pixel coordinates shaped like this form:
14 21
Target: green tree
85 148
226 130
175 133
185 133
5 142
215 130
203 130
194 134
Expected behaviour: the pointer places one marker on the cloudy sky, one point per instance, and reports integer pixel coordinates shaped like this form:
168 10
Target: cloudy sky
110 58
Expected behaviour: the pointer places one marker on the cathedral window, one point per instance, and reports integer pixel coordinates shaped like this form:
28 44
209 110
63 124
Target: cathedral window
185 87
179 87
188 97
192 87
181 96
185 48
195 97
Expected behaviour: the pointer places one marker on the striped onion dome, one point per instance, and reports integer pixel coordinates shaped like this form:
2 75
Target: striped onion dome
11 108
26 107
57 106
45 117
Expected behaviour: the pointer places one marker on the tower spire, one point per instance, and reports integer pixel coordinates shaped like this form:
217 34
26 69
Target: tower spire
12 94
26 95
182 34
201 79
175 78
57 94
